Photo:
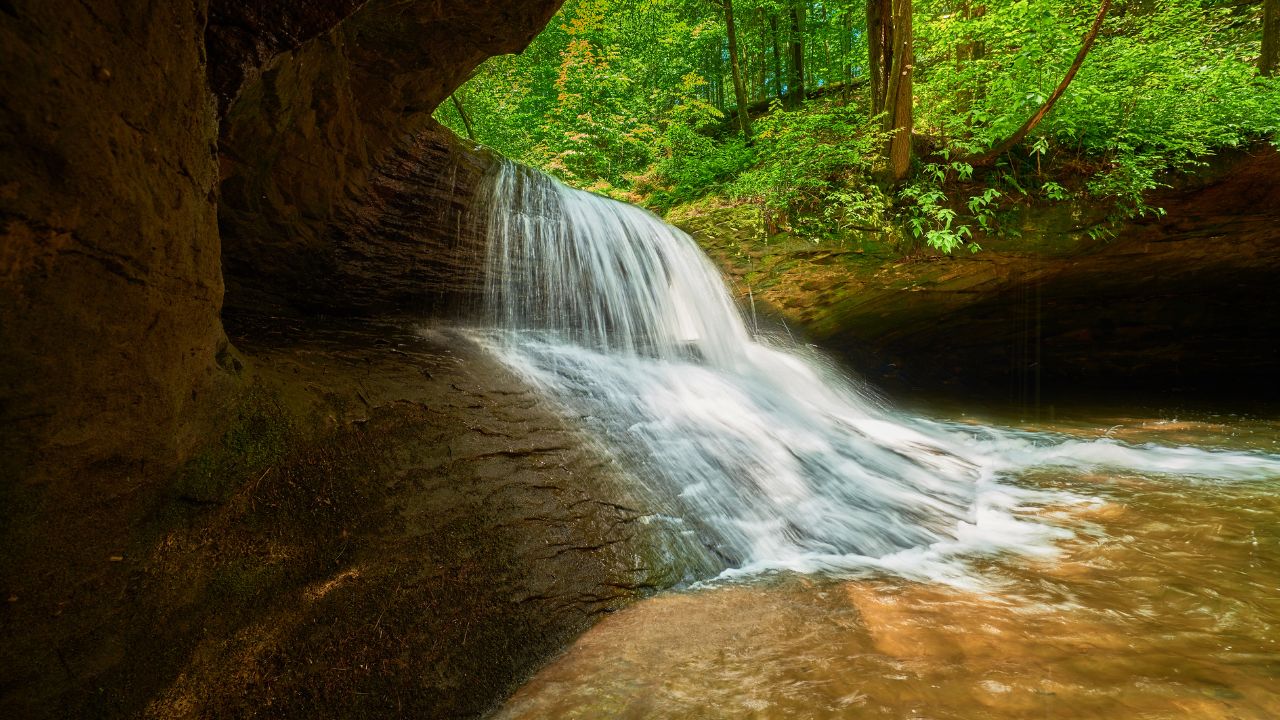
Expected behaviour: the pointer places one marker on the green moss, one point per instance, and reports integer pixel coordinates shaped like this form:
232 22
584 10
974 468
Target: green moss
258 434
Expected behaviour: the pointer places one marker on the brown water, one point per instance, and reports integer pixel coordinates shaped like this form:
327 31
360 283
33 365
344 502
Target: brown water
1165 604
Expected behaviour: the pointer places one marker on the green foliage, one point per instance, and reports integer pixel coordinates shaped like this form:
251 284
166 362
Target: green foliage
696 165
814 170
694 161
591 98
635 100
1166 84
928 214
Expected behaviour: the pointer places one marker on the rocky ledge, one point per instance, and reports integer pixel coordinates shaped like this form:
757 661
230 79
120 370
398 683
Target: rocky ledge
389 525
1180 306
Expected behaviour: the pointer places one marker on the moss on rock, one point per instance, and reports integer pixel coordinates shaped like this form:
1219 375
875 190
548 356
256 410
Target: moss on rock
259 432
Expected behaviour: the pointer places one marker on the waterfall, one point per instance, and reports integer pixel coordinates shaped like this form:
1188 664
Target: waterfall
765 454
603 274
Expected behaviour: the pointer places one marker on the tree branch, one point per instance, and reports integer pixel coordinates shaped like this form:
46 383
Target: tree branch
1018 136
466 119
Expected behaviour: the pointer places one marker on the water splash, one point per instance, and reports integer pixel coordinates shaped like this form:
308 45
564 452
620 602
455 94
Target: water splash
772 457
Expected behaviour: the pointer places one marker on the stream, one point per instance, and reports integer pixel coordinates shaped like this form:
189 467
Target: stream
1164 602
849 558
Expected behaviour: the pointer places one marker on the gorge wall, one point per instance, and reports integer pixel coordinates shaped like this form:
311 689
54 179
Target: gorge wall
319 139
110 271
144 148
149 152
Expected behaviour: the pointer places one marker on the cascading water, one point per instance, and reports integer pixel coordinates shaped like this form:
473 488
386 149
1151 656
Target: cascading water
766 455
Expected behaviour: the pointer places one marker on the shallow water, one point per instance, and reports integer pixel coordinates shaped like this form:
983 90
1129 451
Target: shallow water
1164 603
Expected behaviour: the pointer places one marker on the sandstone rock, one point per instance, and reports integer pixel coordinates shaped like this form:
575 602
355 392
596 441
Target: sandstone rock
110 279
315 139
113 360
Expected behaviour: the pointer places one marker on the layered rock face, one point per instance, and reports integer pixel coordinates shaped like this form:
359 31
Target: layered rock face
112 164
408 241
1174 308
110 267
319 140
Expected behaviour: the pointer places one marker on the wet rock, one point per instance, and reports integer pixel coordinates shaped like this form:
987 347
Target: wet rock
411 242
110 289
429 567
396 545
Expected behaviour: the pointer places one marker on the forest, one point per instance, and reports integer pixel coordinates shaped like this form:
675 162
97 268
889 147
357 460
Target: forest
917 120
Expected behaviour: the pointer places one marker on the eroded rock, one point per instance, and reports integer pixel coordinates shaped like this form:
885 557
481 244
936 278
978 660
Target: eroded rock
315 140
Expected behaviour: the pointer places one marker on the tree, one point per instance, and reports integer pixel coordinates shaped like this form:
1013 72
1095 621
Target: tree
1270 57
846 48
971 50
777 55
795 85
1000 148
464 116
735 65
630 99
890 67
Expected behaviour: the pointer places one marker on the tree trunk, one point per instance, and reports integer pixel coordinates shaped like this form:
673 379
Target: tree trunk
777 56
739 92
846 46
715 71
1270 57
761 66
964 53
890 66
466 119
876 54
795 87
826 54
899 99
1021 133
978 52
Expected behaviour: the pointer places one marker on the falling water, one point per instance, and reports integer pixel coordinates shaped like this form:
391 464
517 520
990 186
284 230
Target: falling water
764 453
